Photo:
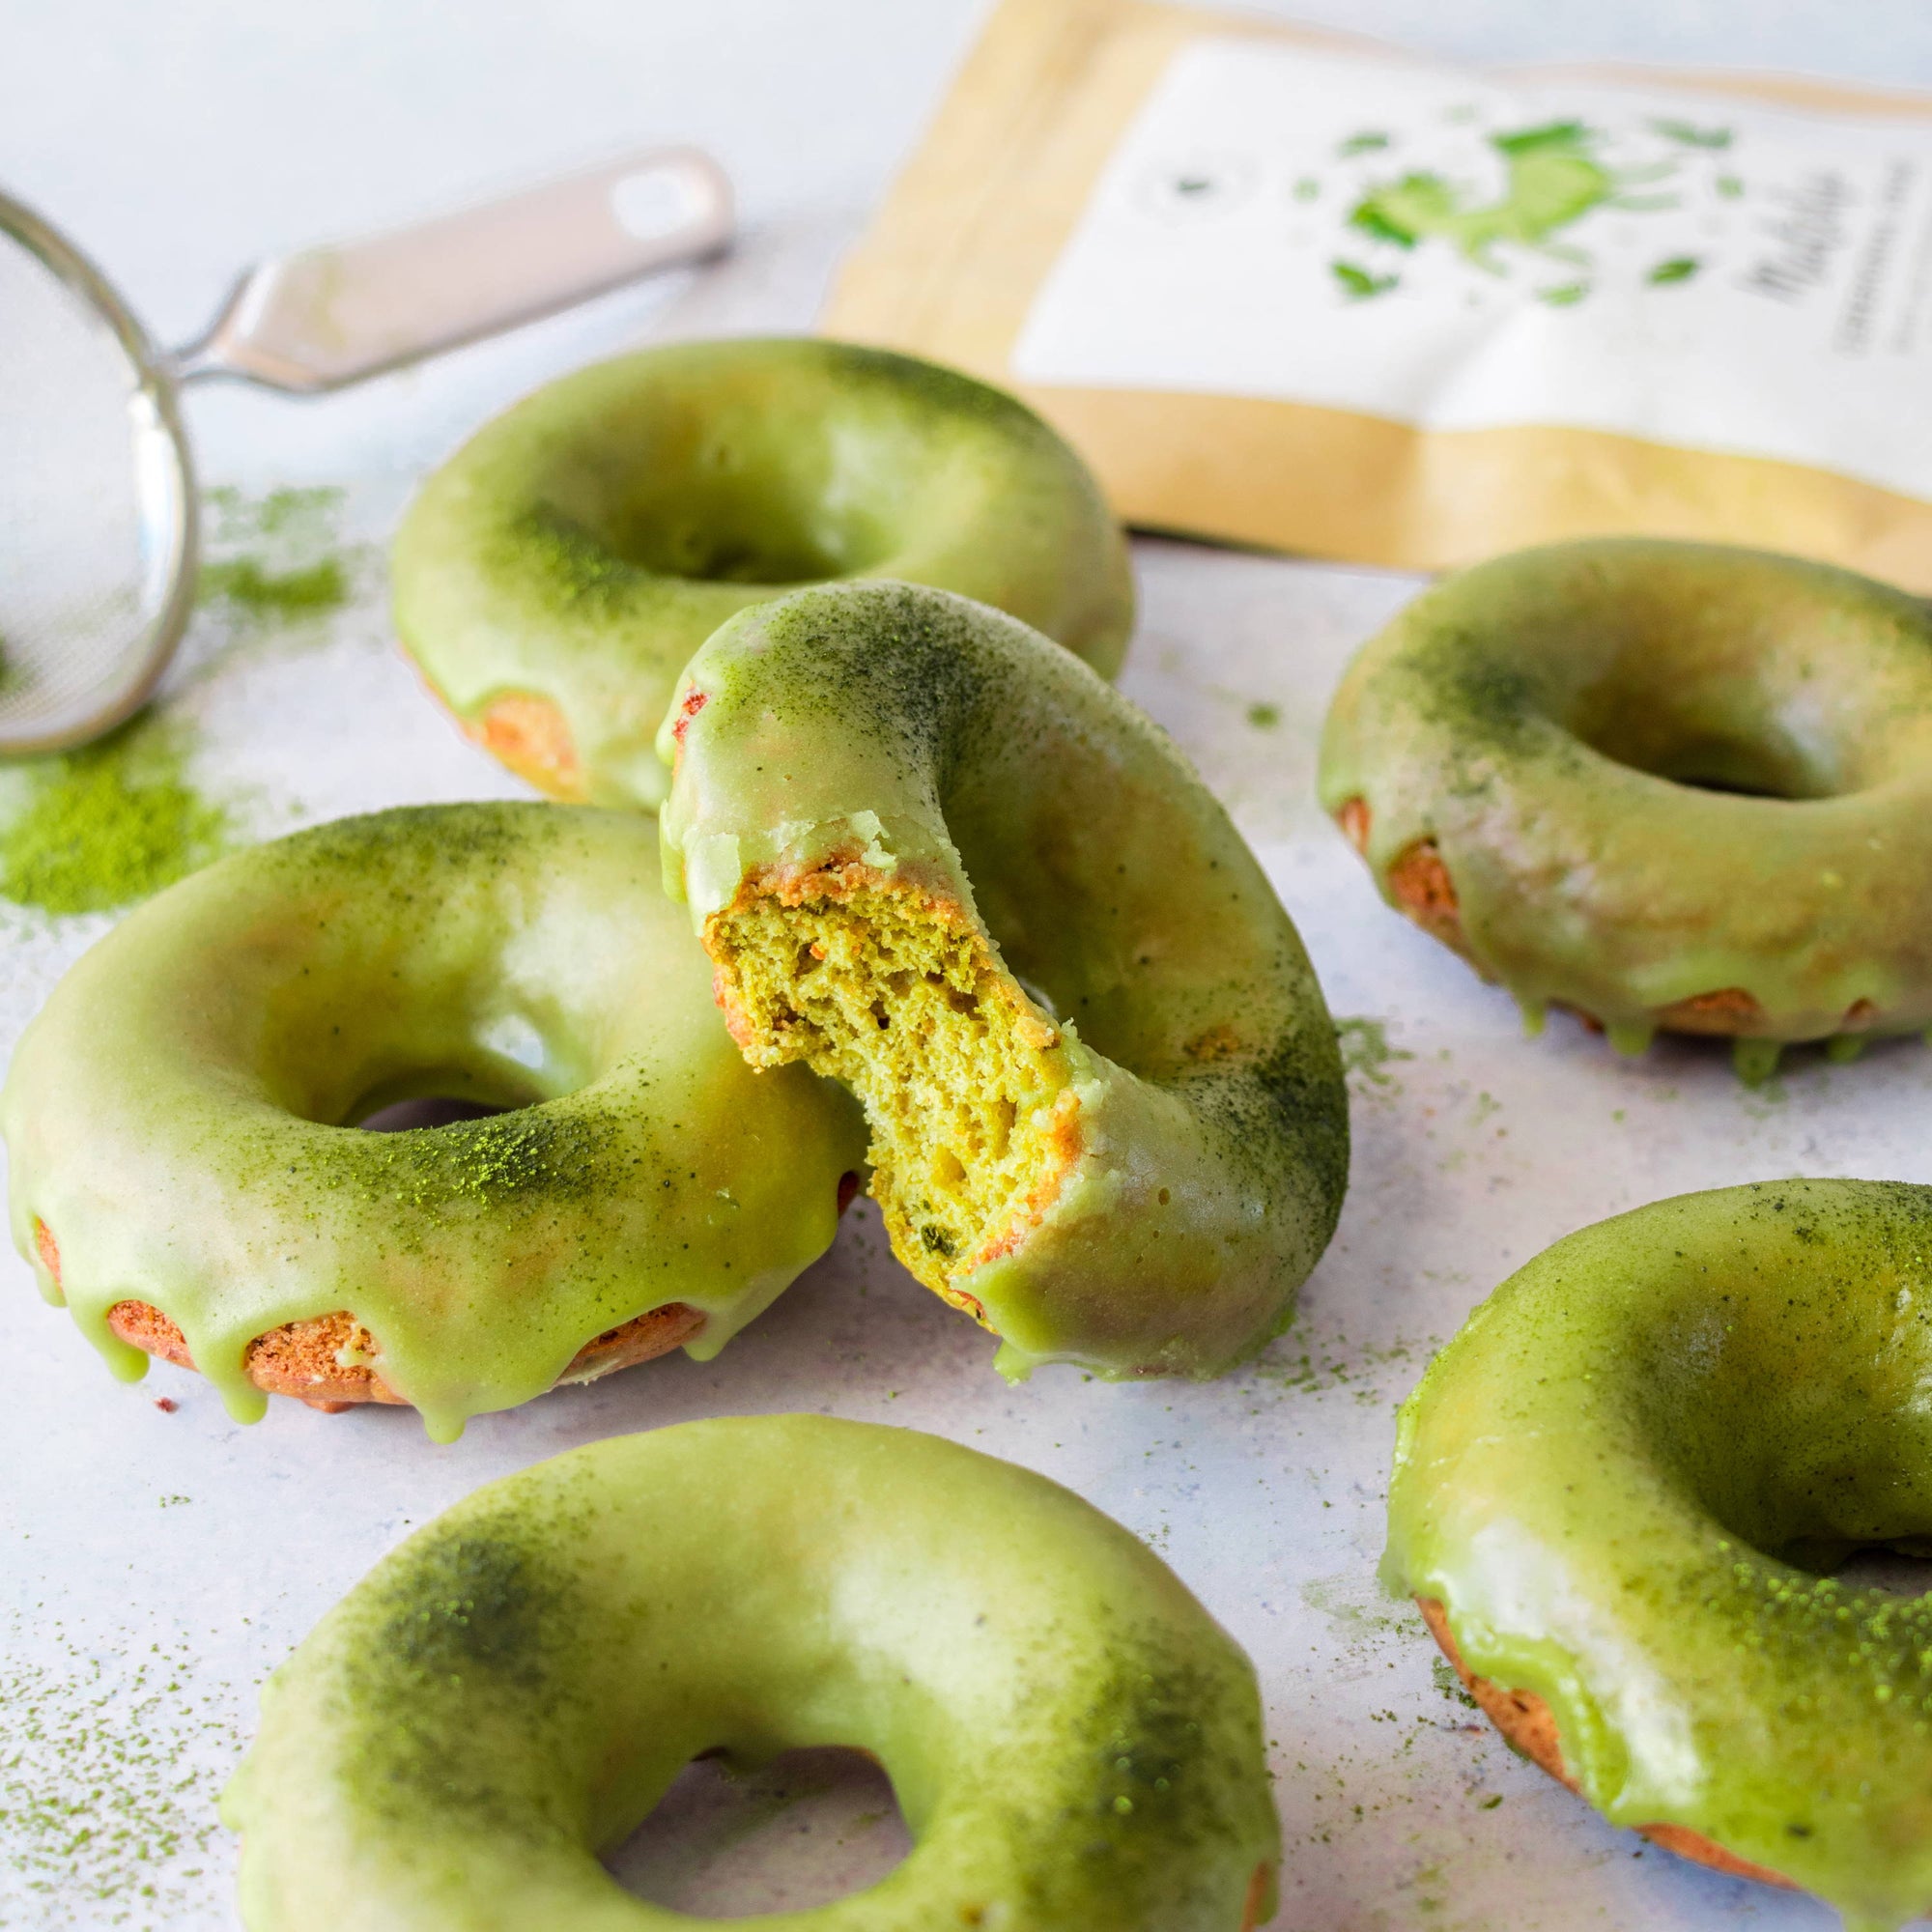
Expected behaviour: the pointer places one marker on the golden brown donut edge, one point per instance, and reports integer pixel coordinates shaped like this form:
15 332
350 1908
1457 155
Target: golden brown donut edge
1419 884
303 1359
1529 1728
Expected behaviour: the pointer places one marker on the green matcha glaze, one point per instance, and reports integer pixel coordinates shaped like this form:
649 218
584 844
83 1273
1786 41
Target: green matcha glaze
1076 1743
942 742
1624 1479
581 548
176 1114
1556 723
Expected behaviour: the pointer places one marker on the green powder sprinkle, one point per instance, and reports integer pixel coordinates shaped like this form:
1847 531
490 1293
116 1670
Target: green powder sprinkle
1366 1051
1449 1684
305 515
109 1762
107 825
243 582
276 558
1263 717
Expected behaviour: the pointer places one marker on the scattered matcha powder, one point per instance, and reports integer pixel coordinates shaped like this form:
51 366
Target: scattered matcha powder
1265 717
1366 1050
244 583
114 822
108 824
1301 1363
293 574
109 1767
1449 1684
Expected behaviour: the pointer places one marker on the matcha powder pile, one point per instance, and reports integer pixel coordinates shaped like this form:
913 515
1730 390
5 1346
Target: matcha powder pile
107 825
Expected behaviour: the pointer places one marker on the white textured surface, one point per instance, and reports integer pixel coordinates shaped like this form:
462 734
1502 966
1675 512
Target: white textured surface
181 141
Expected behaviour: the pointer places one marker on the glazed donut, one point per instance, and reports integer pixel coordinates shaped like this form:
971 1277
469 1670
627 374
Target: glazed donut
941 861
1075 1743
186 1172
557 574
1618 1496
1669 785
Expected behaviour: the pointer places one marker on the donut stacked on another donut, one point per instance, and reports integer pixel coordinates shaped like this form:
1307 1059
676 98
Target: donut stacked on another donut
940 860
186 1172
1618 1495
1076 1745
555 576
1669 785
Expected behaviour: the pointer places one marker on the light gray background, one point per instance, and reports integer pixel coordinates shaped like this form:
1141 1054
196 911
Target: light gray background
153 1565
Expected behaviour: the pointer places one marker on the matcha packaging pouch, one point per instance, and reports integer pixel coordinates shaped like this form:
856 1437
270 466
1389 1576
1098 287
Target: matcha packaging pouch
1297 291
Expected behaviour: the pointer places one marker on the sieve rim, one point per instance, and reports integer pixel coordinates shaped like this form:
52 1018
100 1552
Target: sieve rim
155 397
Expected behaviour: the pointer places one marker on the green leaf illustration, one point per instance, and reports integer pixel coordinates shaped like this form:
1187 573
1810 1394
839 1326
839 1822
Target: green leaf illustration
1566 134
1729 187
1366 143
1565 295
1679 269
1691 136
1358 284
1374 218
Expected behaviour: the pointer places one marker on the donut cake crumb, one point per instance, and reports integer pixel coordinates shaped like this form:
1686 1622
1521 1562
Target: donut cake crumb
893 990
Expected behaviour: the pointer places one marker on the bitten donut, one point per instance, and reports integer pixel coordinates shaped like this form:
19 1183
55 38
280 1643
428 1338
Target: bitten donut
1076 1743
186 1172
1618 1496
941 861
1669 785
555 576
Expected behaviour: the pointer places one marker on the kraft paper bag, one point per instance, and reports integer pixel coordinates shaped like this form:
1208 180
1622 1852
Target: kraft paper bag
1297 291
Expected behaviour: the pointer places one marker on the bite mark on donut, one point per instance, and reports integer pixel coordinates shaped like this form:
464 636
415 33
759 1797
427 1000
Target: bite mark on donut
529 735
886 984
305 1359
1528 1726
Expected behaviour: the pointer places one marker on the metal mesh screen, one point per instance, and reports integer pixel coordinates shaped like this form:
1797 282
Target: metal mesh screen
88 483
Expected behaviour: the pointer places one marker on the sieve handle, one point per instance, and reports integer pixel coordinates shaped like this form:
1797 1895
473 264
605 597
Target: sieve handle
335 314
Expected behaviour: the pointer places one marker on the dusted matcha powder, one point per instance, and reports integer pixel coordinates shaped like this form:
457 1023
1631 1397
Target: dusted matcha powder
107 825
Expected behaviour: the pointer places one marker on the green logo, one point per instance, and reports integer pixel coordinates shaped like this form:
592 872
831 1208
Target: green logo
1554 175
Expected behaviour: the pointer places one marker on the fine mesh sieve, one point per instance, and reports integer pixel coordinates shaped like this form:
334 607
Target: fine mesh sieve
98 521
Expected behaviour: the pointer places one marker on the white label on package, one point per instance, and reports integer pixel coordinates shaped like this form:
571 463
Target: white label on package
1409 243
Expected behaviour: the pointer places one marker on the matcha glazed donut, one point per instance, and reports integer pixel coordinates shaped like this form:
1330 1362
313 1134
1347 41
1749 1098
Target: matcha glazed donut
941 861
1076 1743
557 574
185 1173
1669 785
1618 1493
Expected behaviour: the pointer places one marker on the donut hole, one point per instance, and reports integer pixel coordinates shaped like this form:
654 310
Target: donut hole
431 1110
1797 1422
811 1827
1687 750
440 1097
808 510
1889 1569
727 546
